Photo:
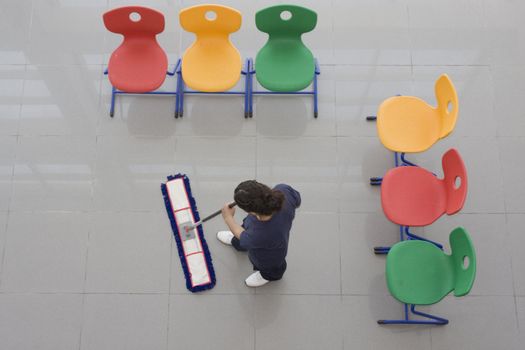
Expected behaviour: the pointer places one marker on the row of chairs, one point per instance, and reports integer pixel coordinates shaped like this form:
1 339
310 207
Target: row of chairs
418 272
212 64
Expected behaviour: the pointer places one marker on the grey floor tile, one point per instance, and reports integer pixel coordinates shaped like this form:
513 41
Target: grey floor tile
439 36
125 321
505 31
51 107
129 171
509 85
313 257
3 229
361 331
515 224
475 89
309 164
45 252
54 173
11 89
513 169
371 32
15 31
40 321
129 252
8 145
483 163
358 160
211 322
493 249
294 115
360 90
363 272
476 323
298 322
520 303
50 44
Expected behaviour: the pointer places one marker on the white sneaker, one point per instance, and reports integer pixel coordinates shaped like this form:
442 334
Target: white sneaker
255 280
225 237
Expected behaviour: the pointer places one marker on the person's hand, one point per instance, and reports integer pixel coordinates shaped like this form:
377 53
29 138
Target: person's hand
227 211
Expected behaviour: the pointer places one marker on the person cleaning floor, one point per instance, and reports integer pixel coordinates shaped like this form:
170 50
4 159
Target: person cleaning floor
265 232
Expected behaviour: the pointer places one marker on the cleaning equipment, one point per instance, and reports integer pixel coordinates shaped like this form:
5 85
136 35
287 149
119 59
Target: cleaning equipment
194 254
209 217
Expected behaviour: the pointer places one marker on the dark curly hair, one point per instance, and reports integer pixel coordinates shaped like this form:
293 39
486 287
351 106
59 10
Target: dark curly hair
255 197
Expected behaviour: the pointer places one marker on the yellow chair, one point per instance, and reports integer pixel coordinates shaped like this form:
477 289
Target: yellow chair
409 124
211 63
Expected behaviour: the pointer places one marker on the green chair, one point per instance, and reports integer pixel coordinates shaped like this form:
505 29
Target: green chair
285 65
419 273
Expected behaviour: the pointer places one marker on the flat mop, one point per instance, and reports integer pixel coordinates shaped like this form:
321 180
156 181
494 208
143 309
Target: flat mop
193 251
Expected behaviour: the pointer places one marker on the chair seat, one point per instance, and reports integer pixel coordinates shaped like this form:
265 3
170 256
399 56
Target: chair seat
211 66
138 65
412 196
418 272
285 66
407 124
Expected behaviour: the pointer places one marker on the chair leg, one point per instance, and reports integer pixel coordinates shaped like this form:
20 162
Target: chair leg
181 97
250 87
246 73
430 319
316 94
381 250
376 181
419 238
112 108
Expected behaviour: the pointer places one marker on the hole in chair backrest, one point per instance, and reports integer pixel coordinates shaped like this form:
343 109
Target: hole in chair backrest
134 17
211 15
286 15
450 106
457 182
466 262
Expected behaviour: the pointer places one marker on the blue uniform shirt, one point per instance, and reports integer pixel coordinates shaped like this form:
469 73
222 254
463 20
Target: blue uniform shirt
267 241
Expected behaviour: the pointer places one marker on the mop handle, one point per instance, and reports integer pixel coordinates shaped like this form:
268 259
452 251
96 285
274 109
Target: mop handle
231 205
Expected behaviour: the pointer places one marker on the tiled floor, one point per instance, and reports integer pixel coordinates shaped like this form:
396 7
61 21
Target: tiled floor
87 259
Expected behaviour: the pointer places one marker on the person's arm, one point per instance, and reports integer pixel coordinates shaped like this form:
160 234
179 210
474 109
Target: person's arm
227 215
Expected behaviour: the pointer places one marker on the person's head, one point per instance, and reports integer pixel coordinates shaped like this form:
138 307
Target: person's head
257 198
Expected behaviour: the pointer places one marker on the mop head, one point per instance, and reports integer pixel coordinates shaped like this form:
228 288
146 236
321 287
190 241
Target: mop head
194 254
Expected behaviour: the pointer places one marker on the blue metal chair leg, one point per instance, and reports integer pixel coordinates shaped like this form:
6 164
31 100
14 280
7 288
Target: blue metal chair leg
316 93
430 319
246 73
384 250
405 161
416 237
250 87
181 97
112 108
376 181
176 70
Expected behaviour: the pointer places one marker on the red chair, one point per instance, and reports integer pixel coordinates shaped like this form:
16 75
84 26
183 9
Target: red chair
413 196
139 64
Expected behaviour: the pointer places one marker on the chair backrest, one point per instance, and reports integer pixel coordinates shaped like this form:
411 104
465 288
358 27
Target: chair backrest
274 21
210 19
463 261
456 181
447 100
134 20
